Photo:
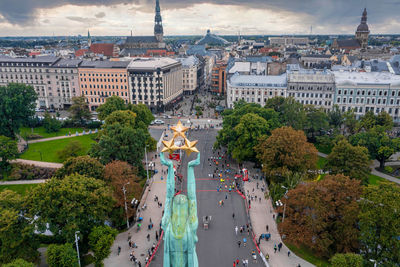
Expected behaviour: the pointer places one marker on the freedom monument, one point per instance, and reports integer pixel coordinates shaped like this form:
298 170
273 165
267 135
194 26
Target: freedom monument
180 220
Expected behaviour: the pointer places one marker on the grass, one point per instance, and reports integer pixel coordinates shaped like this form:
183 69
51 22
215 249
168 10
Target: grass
24 131
22 189
47 151
308 255
374 180
321 162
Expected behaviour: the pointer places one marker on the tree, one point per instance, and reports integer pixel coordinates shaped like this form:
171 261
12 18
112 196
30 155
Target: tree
350 122
71 204
322 215
143 115
83 165
17 106
119 174
346 260
317 121
352 161
8 151
286 150
379 144
62 256
335 117
80 110
19 263
51 125
101 239
112 104
73 149
248 131
118 142
370 120
17 237
123 117
379 223
291 112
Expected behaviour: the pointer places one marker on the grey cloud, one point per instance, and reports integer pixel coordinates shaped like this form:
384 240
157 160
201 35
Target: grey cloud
100 15
84 20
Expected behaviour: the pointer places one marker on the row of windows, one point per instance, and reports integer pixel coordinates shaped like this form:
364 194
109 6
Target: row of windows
315 102
311 95
310 88
391 111
369 92
379 101
101 80
102 74
24 64
253 93
101 86
100 100
105 93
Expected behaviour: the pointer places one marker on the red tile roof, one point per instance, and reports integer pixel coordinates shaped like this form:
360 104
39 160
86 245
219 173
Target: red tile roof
104 49
80 52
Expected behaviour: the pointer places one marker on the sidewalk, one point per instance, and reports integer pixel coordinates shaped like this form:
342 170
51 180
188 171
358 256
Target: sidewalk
39 181
42 164
157 187
57 137
261 215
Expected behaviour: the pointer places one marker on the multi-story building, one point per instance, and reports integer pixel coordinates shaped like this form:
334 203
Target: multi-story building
63 83
311 87
156 82
101 79
255 89
288 41
190 67
34 71
218 78
363 92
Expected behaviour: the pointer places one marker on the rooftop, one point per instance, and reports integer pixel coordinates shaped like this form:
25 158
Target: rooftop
152 63
188 61
37 59
258 80
67 63
212 39
356 78
104 64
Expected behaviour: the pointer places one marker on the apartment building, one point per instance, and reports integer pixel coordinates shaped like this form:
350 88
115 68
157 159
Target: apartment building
190 80
156 82
101 79
218 78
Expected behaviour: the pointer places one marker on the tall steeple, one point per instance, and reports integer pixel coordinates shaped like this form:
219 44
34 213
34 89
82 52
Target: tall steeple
158 28
89 38
362 31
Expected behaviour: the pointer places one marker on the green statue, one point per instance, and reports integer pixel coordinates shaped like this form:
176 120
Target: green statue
180 219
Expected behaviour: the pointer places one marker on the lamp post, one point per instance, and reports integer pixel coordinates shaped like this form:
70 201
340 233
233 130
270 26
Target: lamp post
77 246
284 206
126 208
147 165
374 261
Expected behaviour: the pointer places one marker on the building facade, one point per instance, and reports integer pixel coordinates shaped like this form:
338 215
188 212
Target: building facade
218 78
99 80
288 41
190 67
255 89
155 82
311 87
363 92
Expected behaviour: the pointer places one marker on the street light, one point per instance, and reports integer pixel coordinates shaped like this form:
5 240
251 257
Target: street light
77 246
284 207
374 261
126 208
40 152
147 165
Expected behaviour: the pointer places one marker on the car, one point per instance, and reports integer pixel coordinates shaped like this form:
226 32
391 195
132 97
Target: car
159 122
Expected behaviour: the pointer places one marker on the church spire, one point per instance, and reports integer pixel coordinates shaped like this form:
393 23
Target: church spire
158 28
89 38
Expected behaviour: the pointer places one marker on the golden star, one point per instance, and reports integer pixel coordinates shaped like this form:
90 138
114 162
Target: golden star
169 146
190 147
179 130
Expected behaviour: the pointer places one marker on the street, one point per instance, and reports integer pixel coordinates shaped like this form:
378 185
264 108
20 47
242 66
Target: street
217 246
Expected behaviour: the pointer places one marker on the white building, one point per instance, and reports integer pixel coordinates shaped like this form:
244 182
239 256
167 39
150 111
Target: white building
156 82
190 67
311 87
255 89
362 92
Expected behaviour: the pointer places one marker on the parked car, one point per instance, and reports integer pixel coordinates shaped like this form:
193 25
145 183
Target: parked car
158 122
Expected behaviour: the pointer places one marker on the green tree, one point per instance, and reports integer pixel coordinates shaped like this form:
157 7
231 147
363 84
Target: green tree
379 223
350 122
19 263
379 144
17 106
118 142
17 239
62 256
370 120
75 203
291 113
51 125
143 115
286 150
335 117
248 131
79 110
346 260
101 239
352 161
83 165
112 104
8 151
123 117
73 149
317 121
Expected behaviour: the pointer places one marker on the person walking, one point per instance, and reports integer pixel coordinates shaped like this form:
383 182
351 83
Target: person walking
279 246
236 229
275 248
156 236
266 227
233 215
148 237
119 250
239 242
288 253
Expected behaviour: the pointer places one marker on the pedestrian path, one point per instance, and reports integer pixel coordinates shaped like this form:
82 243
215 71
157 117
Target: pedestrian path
156 188
261 215
38 181
42 164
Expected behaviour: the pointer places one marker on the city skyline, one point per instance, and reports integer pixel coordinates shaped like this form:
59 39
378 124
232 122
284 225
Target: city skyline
118 17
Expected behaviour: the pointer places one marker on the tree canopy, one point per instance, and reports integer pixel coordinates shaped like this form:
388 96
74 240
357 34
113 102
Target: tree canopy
51 125
17 106
19 263
62 255
347 260
323 215
123 117
75 203
286 150
101 239
291 113
112 104
84 165
8 151
79 110
143 115
352 161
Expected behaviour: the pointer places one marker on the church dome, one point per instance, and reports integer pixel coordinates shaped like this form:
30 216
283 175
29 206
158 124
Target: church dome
363 28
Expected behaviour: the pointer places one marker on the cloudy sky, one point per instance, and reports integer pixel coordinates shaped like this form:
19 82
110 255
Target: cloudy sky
187 17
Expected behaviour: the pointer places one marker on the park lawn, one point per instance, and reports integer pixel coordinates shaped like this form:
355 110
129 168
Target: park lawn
308 255
24 131
374 180
321 162
49 149
19 188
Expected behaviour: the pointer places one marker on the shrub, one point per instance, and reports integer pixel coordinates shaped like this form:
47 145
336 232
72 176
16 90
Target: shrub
388 169
33 136
62 256
84 165
51 125
19 263
73 149
94 125
29 172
